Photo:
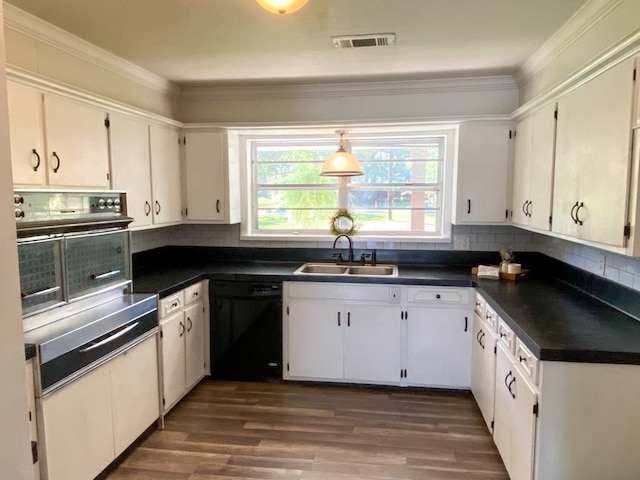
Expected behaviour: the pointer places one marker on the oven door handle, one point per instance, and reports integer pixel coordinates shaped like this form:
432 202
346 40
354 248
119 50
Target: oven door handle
40 292
110 339
100 276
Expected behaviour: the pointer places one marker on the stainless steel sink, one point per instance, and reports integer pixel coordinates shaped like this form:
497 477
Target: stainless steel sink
386 270
348 270
322 269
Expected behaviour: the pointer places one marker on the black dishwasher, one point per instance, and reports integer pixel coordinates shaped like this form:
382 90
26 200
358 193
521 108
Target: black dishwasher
246 330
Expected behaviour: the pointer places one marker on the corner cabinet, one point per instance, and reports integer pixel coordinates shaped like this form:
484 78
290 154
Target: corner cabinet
370 333
593 158
212 177
482 191
533 169
184 342
75 136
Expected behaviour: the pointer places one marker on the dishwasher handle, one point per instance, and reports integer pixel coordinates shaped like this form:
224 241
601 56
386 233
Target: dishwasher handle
111 338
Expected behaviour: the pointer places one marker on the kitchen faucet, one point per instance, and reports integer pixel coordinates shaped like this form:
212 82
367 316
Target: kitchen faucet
350 259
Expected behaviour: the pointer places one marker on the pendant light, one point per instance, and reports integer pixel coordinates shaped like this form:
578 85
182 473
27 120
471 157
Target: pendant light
341 163
282 6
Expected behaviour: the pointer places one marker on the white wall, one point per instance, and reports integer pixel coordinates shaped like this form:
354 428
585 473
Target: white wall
597 27
350 102
36 47
15 462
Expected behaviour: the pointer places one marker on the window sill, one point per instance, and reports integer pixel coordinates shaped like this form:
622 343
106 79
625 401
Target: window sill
359 238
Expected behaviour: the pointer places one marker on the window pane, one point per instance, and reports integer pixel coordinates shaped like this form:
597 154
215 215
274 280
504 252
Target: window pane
396 220
299 220
408 171
293 152
291 174
394 197
297 198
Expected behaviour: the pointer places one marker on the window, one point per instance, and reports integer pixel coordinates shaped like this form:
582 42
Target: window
404 191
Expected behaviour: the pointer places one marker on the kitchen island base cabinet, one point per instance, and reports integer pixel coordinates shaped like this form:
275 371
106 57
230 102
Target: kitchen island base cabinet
91 420
516 407
589 422
483 368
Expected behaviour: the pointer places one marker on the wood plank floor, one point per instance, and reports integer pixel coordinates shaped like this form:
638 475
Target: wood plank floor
237 430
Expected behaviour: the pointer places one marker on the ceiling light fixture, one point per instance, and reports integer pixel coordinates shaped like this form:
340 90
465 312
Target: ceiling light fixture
282 6
341 163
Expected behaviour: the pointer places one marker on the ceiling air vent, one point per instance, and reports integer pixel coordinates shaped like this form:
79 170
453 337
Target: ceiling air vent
367 40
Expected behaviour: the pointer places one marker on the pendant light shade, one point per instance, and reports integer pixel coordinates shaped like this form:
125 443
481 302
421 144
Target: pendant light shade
341 163
282 6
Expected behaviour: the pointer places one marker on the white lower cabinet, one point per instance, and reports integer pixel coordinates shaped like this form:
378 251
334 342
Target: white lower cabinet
439 347
483 368
366 333
516 408
87 423
372 343
33 424
184 342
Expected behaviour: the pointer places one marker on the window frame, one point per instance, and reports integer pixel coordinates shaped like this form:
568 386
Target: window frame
250 139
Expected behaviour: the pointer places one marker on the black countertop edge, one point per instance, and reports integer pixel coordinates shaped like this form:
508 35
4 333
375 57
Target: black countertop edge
29 351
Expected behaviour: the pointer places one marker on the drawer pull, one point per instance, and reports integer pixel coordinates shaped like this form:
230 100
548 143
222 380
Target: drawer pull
438 296
522 359
101 276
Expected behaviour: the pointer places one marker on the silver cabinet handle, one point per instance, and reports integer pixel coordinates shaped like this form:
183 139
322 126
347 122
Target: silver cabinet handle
111 338
100 276
39 292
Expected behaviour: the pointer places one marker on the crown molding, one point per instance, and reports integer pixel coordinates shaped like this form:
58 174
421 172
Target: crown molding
24 23
46 85
589 15
623 50
294 91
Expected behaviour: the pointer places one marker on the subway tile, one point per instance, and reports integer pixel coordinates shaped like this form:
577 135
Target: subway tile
626 279
612 274
486 237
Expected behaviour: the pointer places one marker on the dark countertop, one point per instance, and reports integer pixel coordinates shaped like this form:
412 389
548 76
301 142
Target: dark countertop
29 351
553 319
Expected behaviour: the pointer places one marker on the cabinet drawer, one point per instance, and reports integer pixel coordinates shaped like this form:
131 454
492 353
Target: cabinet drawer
506 336
491 317
438 296
479 305
171 304
193 293
527 362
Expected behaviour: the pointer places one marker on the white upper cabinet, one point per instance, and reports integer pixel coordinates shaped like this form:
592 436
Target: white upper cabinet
27 136
165 174
533 169
77 152
593 160
77 144
483 173
212 179
130 168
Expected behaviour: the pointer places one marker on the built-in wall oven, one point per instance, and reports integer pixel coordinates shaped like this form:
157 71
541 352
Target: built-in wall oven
75 280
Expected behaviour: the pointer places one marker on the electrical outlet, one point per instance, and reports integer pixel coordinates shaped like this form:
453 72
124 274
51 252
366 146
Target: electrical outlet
461 242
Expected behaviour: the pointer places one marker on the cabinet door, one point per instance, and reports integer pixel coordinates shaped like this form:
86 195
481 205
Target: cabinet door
165 174
483 368
195 361
31 405
483 173
541 159
134 393
315 340
515 421
439 347
593 157
205 176
521 170
130 167
174 368
27 135
78 428
77 144
372 343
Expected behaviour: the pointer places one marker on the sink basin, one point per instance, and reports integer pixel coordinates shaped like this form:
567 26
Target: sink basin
322 269
386 270
348 270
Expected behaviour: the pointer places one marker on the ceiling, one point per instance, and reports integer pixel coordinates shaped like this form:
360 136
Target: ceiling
229 41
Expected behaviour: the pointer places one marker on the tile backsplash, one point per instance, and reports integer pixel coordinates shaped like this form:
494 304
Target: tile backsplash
617 268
